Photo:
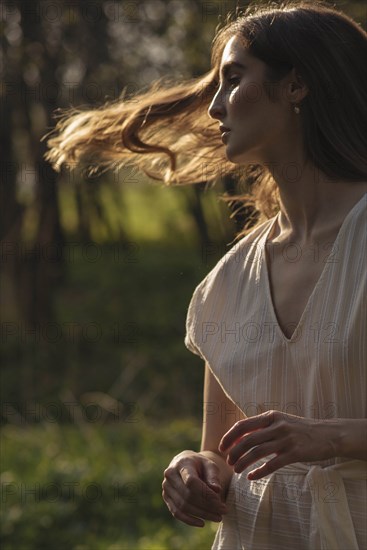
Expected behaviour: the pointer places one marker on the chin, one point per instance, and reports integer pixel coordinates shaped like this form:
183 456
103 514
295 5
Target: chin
235 157
244 156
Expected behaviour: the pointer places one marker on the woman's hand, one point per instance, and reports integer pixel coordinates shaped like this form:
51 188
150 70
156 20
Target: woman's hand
191 489
291 438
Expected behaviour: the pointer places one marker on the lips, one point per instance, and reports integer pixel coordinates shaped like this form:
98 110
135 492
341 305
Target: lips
225 132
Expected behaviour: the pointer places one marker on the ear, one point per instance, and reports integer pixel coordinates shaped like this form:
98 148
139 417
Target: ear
295 88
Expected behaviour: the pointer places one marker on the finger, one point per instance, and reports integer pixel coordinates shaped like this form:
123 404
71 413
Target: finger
211 477
181 516
193 489
201 496
174 479
211 500
261 451
179 504
189 474
203 493
245 426
248 444
201 509
269 467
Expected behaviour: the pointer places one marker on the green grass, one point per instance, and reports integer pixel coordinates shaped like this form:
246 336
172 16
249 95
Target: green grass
93 487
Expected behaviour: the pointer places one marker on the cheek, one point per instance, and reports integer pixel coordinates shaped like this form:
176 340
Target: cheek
245 98
235 99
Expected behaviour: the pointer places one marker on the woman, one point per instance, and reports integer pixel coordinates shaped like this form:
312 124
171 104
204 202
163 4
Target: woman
280 321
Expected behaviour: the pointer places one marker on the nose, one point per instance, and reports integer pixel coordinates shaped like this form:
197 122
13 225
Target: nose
216 108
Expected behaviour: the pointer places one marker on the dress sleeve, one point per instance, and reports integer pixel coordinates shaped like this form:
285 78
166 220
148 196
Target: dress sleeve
211 298
193 320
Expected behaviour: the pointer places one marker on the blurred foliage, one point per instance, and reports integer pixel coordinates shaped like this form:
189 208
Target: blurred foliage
119 318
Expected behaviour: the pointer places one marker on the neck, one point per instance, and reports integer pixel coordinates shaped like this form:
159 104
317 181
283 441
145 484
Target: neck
311 203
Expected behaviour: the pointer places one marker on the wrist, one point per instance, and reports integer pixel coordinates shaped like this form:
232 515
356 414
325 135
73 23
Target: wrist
348 438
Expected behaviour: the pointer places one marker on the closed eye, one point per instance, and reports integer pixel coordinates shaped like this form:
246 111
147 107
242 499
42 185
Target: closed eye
230 82
233 81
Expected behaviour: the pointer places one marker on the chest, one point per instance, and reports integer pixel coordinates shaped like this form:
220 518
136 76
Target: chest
293 274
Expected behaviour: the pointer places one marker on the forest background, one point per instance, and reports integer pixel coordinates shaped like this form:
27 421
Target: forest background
98 391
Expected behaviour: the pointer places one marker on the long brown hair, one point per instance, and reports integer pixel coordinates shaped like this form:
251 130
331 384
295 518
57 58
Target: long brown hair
166 130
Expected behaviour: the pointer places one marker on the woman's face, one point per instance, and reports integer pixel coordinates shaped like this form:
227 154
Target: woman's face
257 127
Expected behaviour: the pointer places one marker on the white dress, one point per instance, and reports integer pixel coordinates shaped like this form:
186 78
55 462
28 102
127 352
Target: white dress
320 372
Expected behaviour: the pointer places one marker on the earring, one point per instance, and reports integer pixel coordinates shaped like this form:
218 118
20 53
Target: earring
297 110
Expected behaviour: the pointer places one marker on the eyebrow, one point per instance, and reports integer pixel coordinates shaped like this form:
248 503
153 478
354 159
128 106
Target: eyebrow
227 67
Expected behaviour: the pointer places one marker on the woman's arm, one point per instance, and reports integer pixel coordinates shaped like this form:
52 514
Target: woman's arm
196 483
352 438
219 415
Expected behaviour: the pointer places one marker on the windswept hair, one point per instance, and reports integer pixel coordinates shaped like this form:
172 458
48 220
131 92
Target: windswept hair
166 130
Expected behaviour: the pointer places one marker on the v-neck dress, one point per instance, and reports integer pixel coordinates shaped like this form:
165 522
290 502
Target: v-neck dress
319 372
